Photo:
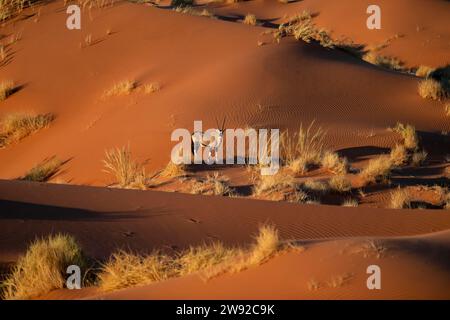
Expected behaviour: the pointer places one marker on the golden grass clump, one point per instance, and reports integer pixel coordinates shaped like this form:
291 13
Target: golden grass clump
447 109
121 88
6 89
214 184
419 157
383 61
43 267
9 8
315 185
424 71
340 183
43 171
128 173
398 155
432 89
408 134
400 199
16 126
302 149
205 257
173 170
332 162
152 87
377 169
194 12
250 19
127 269
350 203
273 183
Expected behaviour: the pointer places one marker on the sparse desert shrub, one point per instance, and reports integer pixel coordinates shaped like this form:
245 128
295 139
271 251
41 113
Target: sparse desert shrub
400 199
303 148
377 169
43 267
17 126
332 162
432 89
129 174
398 155
447 109
43 171
350 203
250 19
424 71
6 89
173 170
408 134
121 88
340 183
418 158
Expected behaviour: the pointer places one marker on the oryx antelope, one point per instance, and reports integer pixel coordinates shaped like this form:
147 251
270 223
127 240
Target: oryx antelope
213 144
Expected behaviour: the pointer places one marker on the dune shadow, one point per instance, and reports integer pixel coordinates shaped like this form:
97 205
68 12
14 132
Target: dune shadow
30 211
361 153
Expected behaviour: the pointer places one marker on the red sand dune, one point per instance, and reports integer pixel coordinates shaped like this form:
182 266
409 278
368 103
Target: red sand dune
203 76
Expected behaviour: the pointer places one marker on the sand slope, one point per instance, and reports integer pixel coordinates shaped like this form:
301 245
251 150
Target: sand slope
414 266
216 68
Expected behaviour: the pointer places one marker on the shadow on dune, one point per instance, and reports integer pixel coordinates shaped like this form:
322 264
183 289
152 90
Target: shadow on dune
30 211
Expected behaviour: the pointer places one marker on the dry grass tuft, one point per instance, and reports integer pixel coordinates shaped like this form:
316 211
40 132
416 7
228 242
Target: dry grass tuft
43 267
315 185
447 109
340 183
384 61
301 27
121 88
214 184
350 203
152 87
332 162
273 183
418 158
424 71
400 199
408 134
302 149
173 170
250 19
6 89
432 89
126 269
398 155
16 126
128 173
43 171
377 169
